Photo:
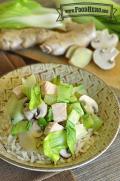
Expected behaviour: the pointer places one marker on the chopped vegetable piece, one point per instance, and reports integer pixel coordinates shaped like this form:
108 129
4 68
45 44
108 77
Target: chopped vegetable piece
81 57
53 143
70 51
64 92
91 121
49 116
56 80
71 136
50 99
88 122
42 122
14 109
80 89
35 97
28 83
81 131
20 127
73 99
77 107
97 122
27 13
74 116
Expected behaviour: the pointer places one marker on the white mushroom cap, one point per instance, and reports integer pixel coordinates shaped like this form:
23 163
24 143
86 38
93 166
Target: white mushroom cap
42 110
64 153
104 40
91 105
105 58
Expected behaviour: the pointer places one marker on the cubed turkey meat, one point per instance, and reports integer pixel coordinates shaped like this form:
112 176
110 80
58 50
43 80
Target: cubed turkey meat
59 112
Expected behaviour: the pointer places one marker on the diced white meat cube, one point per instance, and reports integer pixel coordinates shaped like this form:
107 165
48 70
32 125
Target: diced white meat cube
49 88
52 126
59 112
18 91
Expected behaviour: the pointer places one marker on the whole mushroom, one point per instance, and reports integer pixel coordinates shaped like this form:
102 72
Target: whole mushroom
104 40
105 58
90 104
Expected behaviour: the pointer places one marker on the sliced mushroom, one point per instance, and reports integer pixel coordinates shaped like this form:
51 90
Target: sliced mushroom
29 114
64 153
104 40
105 58
90 104
41 111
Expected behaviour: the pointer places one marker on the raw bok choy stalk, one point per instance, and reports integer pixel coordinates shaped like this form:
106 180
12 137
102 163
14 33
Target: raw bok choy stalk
27 13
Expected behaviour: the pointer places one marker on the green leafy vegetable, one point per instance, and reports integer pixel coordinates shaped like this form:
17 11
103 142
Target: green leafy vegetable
77 107
53 143
64 92
80 89
49 116
73 119
20 127
56 80
97 122
42 122
14 109
88 121
91 121
27 13
50 99
28 83
71 136
35 97
73 99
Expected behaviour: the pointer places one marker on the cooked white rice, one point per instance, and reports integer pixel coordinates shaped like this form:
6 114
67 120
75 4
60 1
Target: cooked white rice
13 147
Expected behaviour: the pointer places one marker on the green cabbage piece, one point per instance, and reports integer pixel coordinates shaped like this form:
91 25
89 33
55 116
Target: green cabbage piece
35 97
80 89
56 80
71 136
27 84
27 13
42 122
14 109
77 107
92 121
64 92
49 116
53 143
20 127
50 99
73 119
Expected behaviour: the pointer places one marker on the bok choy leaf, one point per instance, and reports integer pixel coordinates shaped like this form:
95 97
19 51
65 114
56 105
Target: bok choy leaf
27 13
53 143
21 127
